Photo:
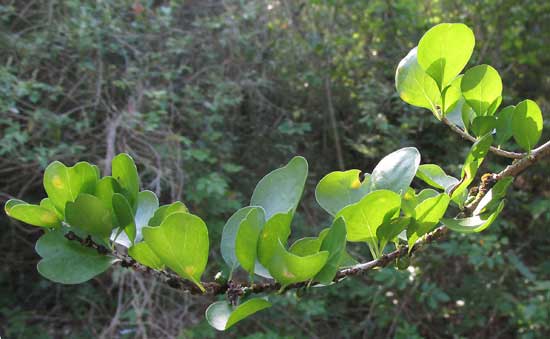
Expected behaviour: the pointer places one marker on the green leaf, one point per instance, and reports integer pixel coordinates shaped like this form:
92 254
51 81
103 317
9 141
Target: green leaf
396 170
390 230
68 262
222 316
275 229
473 161
415 86
493 197
105 188
334 242
147 204
90 215
124 216
181 243
483 125
363 218
143 254
476 223
527 124
288 268
494 106
481 86
435 176
452 95
339 189
427 215
246 242
31 214
308 245
504 126
467 115
229 235
162 212
444 50
280 190
125 172
63 184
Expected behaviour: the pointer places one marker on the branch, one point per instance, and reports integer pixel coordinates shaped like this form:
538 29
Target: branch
497 151
234 289
521 165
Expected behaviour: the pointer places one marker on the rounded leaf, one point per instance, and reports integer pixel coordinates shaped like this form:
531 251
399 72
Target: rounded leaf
68 262
396 170
527 124
246 242
31 214
415 86
288 268
444 50
363 218
435 176
280 190
90 215
125 172
63 184
504 126
229 235
481 86
339 189
162 212
181 243
143 254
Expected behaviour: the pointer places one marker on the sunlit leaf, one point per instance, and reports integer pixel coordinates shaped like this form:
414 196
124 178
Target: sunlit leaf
364 217
275 229
181 242
481 86
396 170
415 86
483 125
31 214
280 190
492 198
476 223
452 95
64 184
527 124
435 176
162 212
471 164
444 50
427 215
288 268
339 189
504 127
143 254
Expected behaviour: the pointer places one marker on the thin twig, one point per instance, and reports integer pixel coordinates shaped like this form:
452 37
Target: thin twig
497 151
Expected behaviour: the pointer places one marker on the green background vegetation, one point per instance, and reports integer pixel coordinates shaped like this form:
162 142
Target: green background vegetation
208 96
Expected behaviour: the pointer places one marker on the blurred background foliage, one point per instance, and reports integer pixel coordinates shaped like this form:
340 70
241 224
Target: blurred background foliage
210 95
